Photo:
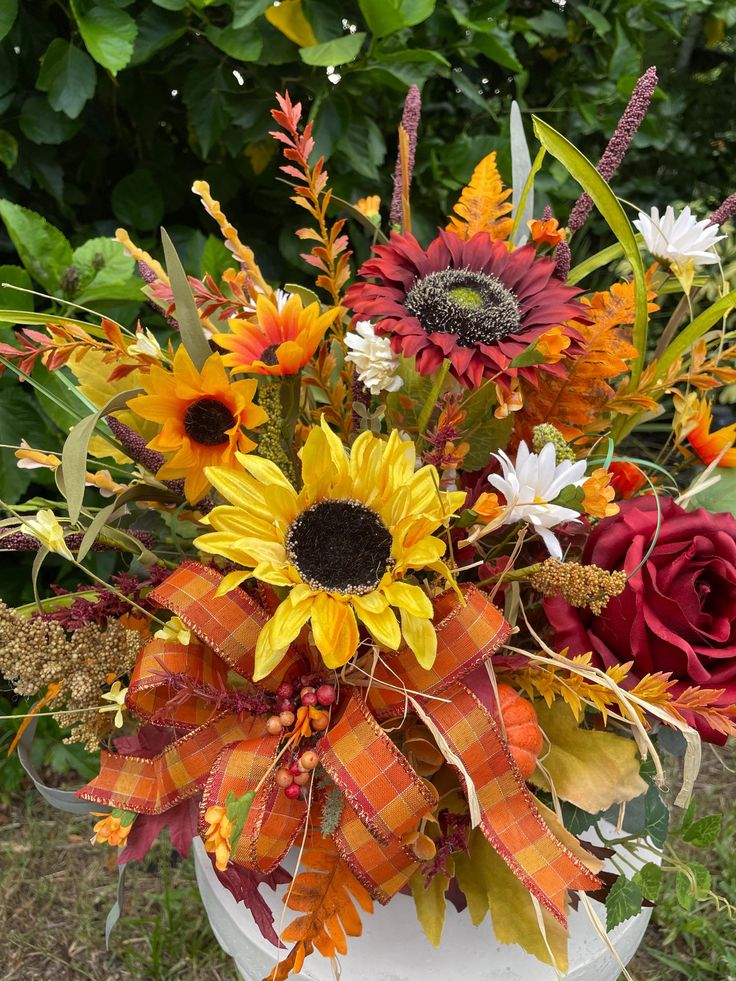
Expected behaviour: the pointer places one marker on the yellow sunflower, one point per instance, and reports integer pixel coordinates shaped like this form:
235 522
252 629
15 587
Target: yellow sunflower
202 415
344 547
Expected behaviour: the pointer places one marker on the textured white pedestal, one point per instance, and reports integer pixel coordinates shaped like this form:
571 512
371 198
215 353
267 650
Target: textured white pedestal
393 947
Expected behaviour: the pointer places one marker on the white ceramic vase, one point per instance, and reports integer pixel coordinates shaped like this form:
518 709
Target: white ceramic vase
394 948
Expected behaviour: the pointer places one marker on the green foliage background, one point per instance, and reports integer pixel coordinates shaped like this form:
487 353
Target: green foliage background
109 109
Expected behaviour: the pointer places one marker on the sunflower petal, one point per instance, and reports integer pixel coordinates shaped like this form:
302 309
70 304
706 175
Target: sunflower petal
230 581
410 598
421 638
335 630
384 627
279 633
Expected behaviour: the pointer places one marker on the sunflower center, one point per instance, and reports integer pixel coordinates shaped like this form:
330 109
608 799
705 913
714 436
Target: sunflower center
339 546
476 307
206 421
268 355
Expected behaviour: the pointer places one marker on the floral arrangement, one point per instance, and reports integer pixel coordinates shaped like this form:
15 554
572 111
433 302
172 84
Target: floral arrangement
408 578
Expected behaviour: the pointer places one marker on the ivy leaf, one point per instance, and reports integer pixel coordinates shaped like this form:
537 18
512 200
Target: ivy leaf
246 11
42 248
19 419
687 892
12 299
624 901
108 32
68 76
703 832
337 52
498 48
137 200
649 881
244 44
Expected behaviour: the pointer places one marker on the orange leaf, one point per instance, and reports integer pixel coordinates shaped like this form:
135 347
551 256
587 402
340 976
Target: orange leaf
483 203
325 893
51 693
578 402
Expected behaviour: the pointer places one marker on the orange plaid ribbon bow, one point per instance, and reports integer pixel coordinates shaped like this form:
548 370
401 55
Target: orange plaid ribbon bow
227 751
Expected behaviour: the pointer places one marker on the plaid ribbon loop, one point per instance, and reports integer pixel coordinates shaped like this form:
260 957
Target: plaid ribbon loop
225 751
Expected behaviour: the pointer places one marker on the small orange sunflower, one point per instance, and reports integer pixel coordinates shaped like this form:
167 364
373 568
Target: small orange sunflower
280 339
202 416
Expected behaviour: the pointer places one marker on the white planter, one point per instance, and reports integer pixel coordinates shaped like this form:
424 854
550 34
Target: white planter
393 947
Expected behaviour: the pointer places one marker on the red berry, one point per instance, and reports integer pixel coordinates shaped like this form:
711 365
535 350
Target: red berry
326 695
285 690
286 705
309 698
295 769
283 778
293 791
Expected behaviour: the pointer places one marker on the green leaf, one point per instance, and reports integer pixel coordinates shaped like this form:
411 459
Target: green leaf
68 75
689 890
388 16
571 497
482 430
246 11
108 33
498 49
19 419
583 171
40 124
624 901
528 357
8 13
74 454
157 29
42 248
192 333
718 498
137 200
243 44
102 263
307 296
337 52
595 18
690 334
704 831
216 258
13 299
237 812
649 881
8 149
364 146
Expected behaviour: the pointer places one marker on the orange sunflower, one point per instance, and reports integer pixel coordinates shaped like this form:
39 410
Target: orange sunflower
202 416
280 339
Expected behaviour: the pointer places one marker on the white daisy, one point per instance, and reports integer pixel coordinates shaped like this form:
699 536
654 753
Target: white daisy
373 358
531 484
676 241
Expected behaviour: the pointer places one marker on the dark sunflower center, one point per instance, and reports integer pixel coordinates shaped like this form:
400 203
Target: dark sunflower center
268 355
207 421
339 546
476 307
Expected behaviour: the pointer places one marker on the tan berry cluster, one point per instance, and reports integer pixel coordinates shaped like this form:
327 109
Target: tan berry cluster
580 585
35 654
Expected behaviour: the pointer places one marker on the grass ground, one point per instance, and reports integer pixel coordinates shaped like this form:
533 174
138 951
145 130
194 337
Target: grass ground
55 891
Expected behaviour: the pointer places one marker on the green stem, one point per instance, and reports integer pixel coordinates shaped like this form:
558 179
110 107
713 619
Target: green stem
434 393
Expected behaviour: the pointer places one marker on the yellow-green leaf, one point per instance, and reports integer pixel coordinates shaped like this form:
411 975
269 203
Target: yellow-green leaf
192 333
489 884
431 905
593 770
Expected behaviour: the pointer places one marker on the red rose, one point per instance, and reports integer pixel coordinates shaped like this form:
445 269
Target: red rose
678 613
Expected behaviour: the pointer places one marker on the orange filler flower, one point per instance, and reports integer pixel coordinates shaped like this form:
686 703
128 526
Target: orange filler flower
217 836
280 339
202 416
693 422
113 829
546 232
598 495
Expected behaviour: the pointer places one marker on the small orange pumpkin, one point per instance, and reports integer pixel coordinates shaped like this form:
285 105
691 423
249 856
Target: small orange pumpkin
522 729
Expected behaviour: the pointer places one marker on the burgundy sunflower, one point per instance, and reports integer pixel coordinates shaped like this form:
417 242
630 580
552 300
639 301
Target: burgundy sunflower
473 302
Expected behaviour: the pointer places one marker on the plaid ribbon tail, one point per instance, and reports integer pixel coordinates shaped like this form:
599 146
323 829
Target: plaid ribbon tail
384 869
150 786
509 817
273 821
